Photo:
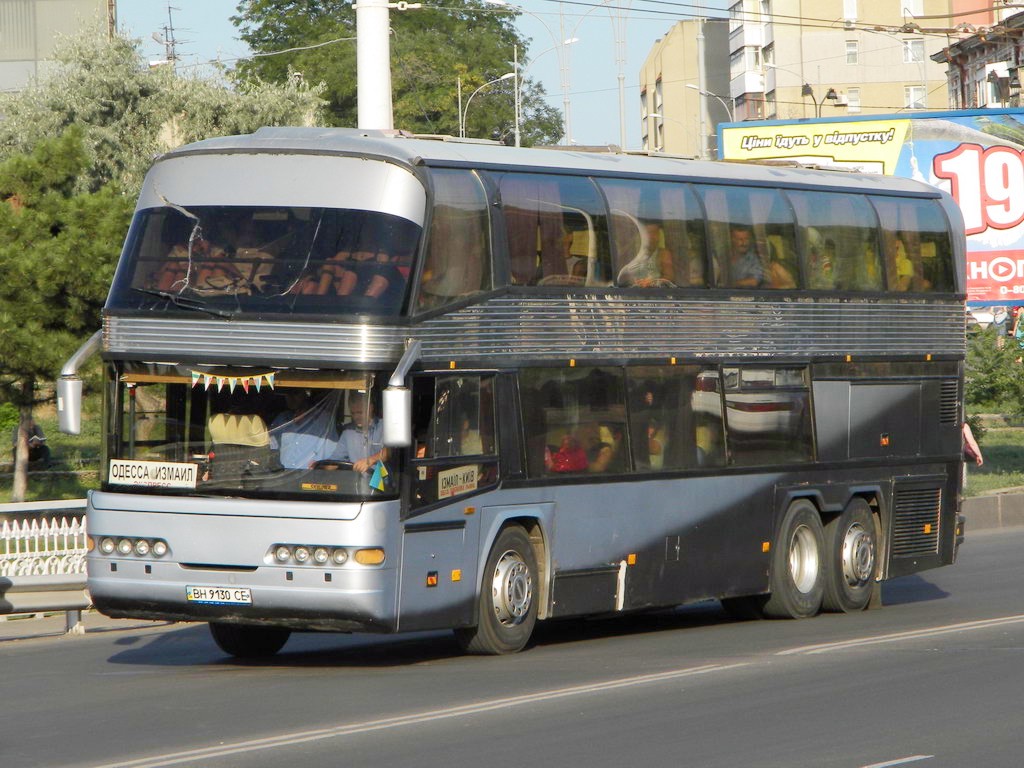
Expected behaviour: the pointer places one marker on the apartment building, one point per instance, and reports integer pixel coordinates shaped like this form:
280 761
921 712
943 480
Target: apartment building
30 28
984 67
793 59
684 89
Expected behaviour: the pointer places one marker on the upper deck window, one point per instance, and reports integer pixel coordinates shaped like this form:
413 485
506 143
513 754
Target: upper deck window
753 237
840 239
556 230
918 251
657 233
458 260
267 260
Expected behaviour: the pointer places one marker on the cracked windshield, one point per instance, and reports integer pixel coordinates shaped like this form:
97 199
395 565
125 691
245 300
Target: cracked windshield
231 260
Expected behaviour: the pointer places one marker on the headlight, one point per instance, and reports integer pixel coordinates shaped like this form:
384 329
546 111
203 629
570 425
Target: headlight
107 546
282 554
159 548
301 554
141 547
321 555
124 546
340 556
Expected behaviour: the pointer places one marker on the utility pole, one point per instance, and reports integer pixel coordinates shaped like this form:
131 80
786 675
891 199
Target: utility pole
373 65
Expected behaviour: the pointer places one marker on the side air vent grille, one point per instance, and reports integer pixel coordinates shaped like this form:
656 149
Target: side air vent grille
915 525
949 406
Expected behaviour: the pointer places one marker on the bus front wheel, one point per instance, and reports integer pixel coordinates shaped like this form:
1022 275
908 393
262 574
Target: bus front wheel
851 545
798 574
508 597
248 642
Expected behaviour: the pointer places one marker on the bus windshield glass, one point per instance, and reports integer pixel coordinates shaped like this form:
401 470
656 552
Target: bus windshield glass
257 433
227 260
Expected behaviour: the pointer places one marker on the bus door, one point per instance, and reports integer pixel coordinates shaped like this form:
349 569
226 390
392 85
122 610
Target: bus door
455 457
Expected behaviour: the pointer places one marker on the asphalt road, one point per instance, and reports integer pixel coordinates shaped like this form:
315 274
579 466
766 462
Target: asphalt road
935 678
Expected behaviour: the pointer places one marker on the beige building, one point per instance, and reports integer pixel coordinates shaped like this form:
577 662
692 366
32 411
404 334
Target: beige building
29 29
674 113
798 59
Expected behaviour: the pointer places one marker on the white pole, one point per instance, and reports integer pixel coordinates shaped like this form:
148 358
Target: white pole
702 78
515 83
458 88
373 65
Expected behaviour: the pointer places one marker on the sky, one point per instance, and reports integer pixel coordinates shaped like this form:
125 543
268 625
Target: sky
204 33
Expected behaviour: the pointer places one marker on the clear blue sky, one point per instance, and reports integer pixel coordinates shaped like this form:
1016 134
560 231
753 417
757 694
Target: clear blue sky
204 32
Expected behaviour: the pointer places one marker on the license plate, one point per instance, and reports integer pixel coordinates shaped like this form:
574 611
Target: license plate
219 595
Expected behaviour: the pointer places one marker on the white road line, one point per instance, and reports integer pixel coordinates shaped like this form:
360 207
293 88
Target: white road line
841 645
901 761
298 737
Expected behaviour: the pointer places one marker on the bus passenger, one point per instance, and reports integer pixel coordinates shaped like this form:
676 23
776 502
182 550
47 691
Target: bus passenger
304 433
606 452
570 456
653 264
745 267
362 440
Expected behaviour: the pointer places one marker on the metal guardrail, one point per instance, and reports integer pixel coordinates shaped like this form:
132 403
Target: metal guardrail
42 559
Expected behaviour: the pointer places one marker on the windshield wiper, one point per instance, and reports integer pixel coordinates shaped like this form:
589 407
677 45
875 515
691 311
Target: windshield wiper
192 304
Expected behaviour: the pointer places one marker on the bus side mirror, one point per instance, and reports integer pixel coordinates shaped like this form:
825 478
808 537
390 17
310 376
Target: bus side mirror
69 405
397 417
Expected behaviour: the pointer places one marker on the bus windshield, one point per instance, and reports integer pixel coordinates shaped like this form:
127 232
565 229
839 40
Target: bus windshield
256 433
228 260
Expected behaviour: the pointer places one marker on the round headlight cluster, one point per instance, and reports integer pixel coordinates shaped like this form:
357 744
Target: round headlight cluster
303 554
126 546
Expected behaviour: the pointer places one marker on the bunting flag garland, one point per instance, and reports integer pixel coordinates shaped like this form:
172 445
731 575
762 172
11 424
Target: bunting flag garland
208 379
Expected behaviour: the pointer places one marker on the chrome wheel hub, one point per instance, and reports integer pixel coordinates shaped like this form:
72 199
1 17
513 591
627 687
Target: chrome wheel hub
803 559
511 589
858 556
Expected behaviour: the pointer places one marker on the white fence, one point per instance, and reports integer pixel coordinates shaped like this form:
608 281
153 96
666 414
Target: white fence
42 564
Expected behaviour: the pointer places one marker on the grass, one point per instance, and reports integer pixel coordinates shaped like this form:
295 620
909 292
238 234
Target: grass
1003 449
74 459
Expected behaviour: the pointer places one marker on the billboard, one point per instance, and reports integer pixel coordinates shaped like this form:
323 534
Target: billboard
975 155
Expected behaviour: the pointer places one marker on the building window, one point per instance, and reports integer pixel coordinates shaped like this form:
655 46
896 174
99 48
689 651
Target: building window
914 96
852 51
913 8
771 109
913 51
768 54
853 99
735 17
850 10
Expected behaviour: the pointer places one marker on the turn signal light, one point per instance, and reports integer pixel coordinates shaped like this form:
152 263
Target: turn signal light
369 556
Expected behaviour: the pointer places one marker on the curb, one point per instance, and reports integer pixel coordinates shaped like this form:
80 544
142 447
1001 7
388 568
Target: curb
995 510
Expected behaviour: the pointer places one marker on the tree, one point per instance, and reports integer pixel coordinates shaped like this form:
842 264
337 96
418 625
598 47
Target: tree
57 255
130 113
431 48
74 148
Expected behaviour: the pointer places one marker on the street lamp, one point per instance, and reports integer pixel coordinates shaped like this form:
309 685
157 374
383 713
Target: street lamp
806 90
730 111
522 74
464 112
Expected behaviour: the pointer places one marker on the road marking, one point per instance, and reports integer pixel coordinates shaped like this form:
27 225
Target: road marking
901 761
299 737
914 634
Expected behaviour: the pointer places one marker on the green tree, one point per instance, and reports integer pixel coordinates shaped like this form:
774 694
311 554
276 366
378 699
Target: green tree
431 48
993 377
130 113
57 255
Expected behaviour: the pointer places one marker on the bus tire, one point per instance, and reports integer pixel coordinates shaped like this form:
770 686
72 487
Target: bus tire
851 546
247 642
508 597
798 558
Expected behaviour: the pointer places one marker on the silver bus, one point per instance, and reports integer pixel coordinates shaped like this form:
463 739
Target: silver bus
362 381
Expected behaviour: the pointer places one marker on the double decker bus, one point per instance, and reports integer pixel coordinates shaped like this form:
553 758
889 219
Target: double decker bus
361 381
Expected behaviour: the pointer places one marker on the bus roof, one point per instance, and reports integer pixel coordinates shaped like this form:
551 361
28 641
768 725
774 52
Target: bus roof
415 151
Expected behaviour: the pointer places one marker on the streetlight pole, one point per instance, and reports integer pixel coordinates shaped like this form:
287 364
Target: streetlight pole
465 113
522 76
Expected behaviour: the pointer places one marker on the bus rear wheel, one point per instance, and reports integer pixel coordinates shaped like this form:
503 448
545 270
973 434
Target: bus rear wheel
247 642
508 598
851 544
797 576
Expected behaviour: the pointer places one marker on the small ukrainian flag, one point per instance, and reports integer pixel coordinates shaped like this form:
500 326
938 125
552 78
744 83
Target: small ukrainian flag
380 473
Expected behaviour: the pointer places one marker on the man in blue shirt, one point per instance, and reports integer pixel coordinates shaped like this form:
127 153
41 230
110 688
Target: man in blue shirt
305 432
362 440
745 267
